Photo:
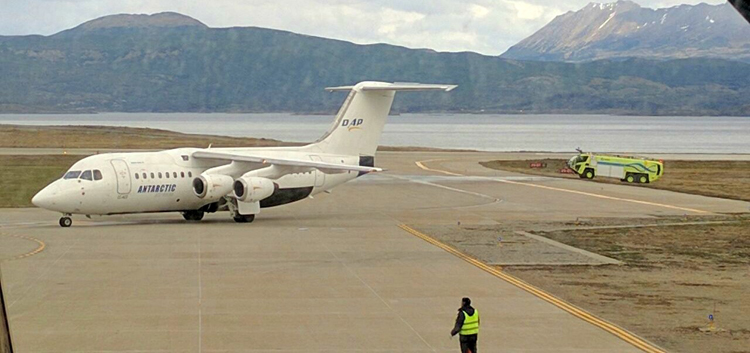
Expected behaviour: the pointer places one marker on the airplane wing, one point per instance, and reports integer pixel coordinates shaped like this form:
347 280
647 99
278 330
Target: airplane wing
322 166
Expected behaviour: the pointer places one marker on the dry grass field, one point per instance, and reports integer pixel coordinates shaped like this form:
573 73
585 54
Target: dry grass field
726 179
16 136
23 176
672 279
108 137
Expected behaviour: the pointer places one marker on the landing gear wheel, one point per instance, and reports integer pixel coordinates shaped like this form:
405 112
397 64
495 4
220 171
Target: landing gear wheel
630 178
588 174
65 222
643 179
244 219
196 215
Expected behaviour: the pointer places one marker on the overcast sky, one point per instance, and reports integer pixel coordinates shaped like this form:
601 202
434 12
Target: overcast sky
484 26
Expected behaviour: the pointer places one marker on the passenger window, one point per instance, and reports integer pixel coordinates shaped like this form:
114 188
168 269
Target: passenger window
86 175
136 175
174 174
159 175
182 174
97 174
152 176
166 175
73 174
190 174
144 176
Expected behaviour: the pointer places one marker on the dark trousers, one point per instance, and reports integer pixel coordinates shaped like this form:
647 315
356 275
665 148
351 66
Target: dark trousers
468 343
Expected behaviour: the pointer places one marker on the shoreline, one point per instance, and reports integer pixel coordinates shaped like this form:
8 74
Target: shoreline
333 112
20 136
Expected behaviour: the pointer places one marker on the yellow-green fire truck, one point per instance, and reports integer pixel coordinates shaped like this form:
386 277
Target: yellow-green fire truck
628 169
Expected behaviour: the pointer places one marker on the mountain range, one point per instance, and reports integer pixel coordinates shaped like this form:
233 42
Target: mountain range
625 29
173 63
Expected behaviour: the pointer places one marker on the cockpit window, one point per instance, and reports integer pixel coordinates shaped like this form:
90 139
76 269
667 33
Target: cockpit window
86 175
97 174
73 174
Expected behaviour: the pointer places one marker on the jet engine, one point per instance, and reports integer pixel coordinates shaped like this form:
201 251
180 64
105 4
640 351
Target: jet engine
212 186
253 189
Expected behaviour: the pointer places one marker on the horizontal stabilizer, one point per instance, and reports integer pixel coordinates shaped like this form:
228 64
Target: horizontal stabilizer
397 86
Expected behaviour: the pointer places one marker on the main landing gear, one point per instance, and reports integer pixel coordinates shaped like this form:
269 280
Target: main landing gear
65 221
244 219
195 215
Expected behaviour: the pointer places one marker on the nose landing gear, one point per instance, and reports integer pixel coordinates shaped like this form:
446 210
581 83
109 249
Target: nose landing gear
65 221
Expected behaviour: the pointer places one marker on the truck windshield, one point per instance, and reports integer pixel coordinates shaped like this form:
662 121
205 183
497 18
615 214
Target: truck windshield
577 159
73 174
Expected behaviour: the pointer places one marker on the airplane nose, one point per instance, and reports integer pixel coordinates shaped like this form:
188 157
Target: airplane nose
45 197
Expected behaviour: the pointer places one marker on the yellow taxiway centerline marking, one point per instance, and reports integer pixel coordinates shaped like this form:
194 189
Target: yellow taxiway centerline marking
39 249
421 165
575 311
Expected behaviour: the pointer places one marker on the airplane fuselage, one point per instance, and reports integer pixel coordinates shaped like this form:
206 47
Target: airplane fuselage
161 181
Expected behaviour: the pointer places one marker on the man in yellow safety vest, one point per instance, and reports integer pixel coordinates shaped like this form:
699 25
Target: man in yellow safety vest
467 326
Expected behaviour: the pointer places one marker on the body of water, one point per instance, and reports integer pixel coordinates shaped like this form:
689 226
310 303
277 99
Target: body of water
556 133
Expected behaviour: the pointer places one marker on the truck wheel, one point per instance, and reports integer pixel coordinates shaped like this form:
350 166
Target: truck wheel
630 178
643 179
588 173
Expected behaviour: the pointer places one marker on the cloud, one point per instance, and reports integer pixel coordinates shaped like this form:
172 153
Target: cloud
526 11
478 11
484 26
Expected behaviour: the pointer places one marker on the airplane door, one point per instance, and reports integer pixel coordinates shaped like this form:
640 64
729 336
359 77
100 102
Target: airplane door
320 177
122 172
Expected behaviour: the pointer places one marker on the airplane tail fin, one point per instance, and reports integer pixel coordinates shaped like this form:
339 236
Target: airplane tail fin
360 120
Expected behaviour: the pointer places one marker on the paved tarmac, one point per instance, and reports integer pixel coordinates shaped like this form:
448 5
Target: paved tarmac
333 273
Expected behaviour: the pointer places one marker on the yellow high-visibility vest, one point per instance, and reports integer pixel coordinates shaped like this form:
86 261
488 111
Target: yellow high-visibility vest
471 323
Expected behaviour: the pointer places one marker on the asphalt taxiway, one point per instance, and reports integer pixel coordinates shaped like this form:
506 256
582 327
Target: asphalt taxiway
346 271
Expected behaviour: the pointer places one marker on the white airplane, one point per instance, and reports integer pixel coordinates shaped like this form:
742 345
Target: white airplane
194 181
